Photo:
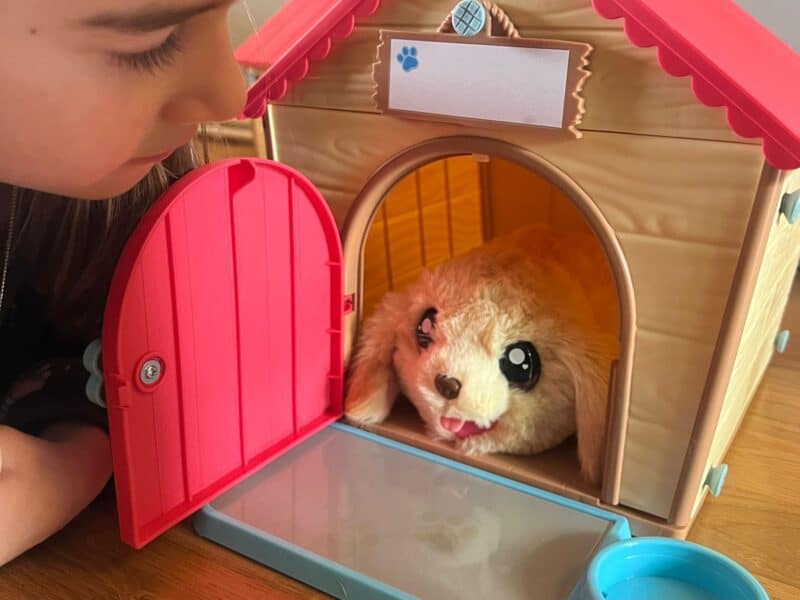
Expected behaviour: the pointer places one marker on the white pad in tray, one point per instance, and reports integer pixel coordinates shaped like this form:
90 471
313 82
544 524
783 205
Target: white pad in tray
348 511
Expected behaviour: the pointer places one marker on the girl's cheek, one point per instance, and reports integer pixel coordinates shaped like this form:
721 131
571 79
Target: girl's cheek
111 130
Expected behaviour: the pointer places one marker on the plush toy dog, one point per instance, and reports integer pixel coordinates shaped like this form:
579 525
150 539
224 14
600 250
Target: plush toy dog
505 349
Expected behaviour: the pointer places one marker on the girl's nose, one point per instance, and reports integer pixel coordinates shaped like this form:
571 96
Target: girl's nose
212 87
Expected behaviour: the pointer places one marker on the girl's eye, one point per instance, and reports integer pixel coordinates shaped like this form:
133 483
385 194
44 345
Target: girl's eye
425 328
521 365
151 60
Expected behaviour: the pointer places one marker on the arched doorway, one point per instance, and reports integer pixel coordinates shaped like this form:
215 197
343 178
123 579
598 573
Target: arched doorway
369 203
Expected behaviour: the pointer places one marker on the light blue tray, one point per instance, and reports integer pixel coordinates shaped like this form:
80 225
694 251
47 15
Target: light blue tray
356 515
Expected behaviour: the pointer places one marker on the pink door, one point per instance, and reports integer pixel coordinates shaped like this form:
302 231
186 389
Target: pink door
222 343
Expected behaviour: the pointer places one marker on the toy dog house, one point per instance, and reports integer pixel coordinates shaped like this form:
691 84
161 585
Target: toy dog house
235 304
694 204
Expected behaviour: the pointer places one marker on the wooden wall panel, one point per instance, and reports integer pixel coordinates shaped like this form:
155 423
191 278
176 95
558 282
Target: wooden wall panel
518 197
669 374
627 91
764 320
402 198
429 216
681 292
791 358
404 242
668 188
681 287
564 215
436 222
465 204
377 277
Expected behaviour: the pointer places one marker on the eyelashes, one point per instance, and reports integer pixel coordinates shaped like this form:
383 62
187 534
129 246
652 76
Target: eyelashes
151 60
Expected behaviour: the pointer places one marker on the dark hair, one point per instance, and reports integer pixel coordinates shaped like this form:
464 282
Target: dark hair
68 248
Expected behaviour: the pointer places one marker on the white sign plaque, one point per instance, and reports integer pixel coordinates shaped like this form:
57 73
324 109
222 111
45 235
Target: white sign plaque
501 80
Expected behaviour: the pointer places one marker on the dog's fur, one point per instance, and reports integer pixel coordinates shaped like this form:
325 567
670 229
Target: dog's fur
550 289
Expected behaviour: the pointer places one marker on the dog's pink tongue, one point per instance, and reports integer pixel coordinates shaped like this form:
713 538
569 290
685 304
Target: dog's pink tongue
462 429
454 425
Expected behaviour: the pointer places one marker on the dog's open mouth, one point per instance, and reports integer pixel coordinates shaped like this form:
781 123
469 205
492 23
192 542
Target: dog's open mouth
464 429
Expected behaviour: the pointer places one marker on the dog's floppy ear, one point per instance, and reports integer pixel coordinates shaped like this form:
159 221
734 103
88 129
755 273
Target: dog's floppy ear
372 383
589 363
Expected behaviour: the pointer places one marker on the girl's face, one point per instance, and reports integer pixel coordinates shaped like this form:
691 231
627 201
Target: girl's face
95 92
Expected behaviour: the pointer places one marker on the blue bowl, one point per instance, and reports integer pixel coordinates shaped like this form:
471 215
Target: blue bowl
656 568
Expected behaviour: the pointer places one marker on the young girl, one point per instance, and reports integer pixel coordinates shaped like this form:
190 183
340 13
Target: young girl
100 99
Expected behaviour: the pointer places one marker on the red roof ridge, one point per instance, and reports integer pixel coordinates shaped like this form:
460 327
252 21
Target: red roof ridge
284 50
752 111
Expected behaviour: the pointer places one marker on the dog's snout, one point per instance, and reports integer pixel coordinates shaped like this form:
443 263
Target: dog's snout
448 387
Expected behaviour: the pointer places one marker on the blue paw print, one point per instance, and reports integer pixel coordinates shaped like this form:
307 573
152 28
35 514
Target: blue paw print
408 58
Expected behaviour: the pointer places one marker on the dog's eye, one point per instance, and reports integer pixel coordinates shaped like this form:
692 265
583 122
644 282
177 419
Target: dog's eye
521 365
425 327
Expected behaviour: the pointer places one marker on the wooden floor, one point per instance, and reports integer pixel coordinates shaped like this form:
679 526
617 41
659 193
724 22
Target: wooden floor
756 522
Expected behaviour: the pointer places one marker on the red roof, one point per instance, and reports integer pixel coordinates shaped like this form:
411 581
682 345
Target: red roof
732 59
300 32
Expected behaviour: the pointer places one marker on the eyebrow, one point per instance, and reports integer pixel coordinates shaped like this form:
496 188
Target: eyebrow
148 19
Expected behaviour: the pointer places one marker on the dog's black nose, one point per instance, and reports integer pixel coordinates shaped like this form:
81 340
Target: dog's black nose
448 387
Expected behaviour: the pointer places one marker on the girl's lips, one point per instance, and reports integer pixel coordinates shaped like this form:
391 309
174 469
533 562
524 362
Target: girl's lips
167 153
153 159
463 429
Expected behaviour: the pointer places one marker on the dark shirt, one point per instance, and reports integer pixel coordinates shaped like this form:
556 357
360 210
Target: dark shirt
42 380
